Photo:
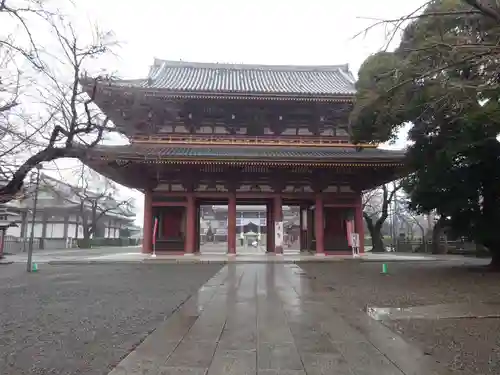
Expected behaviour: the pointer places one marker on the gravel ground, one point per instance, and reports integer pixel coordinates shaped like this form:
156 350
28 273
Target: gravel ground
70 319
468 346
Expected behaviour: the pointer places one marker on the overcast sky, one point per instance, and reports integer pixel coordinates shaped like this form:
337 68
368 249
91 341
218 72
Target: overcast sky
257 31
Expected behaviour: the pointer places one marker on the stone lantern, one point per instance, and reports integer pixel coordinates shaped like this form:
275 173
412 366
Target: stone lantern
7 219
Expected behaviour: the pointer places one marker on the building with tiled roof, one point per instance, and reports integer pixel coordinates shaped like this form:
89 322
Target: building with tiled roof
208 133
198 78
59 215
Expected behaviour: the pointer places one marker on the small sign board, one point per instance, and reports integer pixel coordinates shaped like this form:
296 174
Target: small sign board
278 234
355 240
155 229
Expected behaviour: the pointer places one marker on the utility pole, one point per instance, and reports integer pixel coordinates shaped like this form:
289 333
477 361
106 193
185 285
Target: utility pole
33 220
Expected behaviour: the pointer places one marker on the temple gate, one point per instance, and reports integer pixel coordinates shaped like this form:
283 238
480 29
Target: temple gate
241 134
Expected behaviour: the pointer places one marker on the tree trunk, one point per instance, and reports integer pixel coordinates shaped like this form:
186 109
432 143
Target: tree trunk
377 242
495 259
436 239
376 235
85 243
493 246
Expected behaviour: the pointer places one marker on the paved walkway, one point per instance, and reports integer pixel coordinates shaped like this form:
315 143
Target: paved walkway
268 319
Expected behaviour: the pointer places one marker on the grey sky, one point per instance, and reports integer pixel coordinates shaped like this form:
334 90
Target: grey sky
258 31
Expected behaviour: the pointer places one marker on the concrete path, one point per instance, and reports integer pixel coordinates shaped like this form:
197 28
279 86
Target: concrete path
122 253
134 254
268 319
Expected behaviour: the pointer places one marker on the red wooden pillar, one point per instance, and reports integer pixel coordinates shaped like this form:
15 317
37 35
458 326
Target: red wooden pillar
190 240
147 237
359 224
278 217
310 229
269 227
319 229
231 224
301 230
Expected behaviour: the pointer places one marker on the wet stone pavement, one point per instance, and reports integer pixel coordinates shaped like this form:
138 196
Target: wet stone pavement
266 319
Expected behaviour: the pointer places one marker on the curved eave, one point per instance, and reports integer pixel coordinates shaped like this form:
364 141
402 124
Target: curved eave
249 161
386 170
130 90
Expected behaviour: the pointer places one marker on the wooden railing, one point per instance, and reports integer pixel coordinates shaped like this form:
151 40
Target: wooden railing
245 140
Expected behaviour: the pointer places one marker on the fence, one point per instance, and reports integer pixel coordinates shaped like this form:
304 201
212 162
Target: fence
101 242
15 245
449 247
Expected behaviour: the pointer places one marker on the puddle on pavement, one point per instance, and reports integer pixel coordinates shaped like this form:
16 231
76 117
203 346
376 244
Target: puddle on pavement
381 313
68 282
440 311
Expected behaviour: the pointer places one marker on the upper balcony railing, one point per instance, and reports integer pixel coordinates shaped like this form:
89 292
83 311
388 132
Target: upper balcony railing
190 139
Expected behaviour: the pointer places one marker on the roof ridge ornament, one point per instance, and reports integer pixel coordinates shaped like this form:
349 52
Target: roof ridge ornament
242 66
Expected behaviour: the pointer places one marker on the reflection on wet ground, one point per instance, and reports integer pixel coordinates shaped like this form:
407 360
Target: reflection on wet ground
259 319
441 311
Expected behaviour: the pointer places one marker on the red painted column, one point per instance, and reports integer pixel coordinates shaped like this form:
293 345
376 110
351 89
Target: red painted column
231 224
359 226
319 225
190 240
301 231
310 229
269 228
278 216
147 237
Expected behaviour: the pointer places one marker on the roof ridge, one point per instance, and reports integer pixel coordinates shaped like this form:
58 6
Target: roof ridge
161 63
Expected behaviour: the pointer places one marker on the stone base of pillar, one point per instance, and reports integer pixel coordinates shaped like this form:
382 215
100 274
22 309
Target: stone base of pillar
320 255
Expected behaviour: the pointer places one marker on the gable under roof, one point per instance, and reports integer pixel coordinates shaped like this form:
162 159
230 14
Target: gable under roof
195 77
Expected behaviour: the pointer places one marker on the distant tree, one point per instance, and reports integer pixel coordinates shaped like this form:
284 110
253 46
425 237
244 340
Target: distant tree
96 197
376 205
443 80
65 122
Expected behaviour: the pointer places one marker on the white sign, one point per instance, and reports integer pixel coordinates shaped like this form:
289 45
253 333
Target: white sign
355 240
278 234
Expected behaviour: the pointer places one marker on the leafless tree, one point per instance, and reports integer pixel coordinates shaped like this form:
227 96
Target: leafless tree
412 221
95 196
15 17
376 205
65 122
393 27
432 232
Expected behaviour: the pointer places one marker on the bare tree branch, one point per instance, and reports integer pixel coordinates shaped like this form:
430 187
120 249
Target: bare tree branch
72 124
485 8
95 198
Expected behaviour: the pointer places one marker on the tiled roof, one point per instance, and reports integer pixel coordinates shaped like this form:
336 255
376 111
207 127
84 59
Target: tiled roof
187 77
250 153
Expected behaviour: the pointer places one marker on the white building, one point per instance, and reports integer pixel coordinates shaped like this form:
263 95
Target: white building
60 211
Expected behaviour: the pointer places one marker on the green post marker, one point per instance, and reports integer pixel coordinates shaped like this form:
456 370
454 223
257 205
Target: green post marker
384 268
34 267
